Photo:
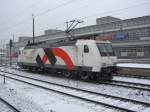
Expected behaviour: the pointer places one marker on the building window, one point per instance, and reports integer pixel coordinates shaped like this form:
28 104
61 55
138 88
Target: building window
140 54
123 53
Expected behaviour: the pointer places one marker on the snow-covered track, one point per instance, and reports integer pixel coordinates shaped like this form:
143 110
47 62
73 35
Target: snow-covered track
125 84
6 105
132 76
132 85
133 71
93 97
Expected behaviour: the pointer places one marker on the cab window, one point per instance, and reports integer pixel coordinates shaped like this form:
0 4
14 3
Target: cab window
86 49
105 49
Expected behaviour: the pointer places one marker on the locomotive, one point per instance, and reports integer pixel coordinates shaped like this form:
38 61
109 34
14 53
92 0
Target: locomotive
87 59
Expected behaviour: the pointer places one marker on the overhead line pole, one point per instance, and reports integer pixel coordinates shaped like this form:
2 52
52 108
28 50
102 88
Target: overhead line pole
10 46
33 29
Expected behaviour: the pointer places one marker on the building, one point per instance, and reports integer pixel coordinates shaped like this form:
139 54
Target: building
106 19
130 37
3 57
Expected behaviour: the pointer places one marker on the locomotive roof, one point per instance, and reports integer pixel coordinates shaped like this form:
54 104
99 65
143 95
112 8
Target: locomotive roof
44 44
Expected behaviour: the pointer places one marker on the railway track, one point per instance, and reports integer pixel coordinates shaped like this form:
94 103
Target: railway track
115 102
7 107
120 75
132 85
133 76
125 84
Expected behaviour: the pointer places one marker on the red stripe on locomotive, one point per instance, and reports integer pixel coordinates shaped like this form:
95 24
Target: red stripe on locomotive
44 59
62 54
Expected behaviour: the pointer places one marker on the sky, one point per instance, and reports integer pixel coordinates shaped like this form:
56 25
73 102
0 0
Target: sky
16 15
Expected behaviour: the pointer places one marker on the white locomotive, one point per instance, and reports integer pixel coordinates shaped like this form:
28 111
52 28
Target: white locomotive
88 59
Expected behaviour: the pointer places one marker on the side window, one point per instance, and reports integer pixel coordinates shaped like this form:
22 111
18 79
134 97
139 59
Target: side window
86 49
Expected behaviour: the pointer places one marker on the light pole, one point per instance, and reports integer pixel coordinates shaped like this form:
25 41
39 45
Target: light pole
33 27
10 46
1 52
4 58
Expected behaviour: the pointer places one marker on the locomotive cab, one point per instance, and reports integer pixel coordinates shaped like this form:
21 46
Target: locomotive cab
99 55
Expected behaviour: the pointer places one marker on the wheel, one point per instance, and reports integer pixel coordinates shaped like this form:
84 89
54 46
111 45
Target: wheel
84 76
93 76
67 74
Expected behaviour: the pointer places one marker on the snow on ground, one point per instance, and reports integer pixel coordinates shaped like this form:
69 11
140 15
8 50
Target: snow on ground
133 65
147 110
96 98
102 88
31 99
5 108
24 105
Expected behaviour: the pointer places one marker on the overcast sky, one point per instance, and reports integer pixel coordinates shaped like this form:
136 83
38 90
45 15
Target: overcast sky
16 15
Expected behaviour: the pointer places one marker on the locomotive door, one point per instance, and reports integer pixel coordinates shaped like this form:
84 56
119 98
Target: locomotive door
83 55
86 55
80 55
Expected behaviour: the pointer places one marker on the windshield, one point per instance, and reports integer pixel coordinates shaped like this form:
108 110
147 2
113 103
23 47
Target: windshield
105 49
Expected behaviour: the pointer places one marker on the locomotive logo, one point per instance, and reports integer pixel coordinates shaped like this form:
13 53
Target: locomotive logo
50 53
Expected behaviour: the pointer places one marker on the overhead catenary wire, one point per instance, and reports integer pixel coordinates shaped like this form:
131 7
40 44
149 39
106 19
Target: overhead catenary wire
49 10
37 15
117 10
28 7
68 2
108 12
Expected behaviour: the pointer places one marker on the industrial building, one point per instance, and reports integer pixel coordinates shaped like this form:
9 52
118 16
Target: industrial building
130 37
3 58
